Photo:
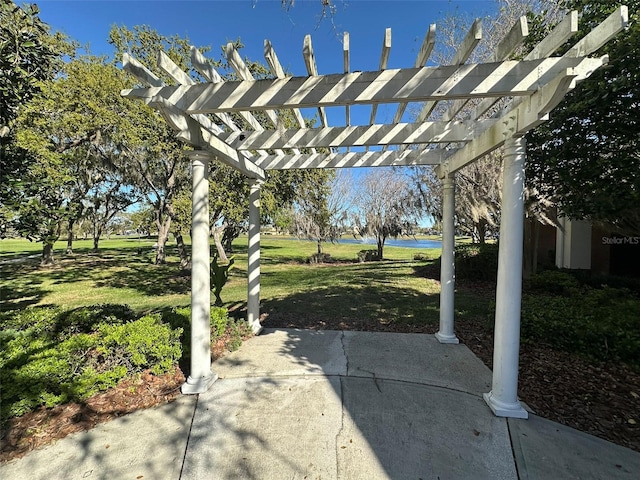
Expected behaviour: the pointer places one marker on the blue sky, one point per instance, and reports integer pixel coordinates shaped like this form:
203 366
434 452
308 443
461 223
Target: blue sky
213 23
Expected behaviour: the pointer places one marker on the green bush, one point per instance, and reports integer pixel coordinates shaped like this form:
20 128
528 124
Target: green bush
477 261
368 256
555 282
49 356
141 344
600 323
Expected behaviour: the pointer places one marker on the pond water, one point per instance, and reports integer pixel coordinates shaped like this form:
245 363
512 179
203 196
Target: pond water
397 242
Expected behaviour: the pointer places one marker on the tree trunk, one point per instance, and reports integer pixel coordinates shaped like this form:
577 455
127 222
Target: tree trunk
69 250
96 239
217 239
163 236
380 247
319 248
182 249
47 253
482 231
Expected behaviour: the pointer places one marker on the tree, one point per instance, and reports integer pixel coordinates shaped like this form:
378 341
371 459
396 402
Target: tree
323 208
385 205
586 158
78 126
29 55
157 165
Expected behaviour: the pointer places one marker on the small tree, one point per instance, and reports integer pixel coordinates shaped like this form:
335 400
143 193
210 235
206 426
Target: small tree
385 206
322 209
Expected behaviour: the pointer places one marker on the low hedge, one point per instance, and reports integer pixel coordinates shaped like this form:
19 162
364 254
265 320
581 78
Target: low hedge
476 261
49 356
602 323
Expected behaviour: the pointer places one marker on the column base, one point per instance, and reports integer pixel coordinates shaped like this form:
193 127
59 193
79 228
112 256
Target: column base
194 386
504 409
442 338
256 328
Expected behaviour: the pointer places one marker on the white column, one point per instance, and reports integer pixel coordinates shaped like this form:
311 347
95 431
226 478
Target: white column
447 262
253 294
503 398
200 377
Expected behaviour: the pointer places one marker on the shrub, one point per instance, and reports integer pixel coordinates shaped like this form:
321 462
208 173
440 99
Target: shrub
49 357
555 282
420 257
368 256
320 258
477 261
141 344
603 324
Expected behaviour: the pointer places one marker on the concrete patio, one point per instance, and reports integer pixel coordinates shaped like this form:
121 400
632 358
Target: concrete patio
294 404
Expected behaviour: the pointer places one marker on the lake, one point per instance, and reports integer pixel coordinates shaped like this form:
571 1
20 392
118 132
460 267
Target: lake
397 242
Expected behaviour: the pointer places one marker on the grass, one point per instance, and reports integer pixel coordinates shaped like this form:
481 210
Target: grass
123 272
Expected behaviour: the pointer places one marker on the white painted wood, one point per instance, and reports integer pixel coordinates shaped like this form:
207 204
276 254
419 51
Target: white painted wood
353 159
142 73
384 58
447 263
199 62
312 70
558 37
170 68
600 35
386 134
200 377
278 72
463 52
523 116
423 54
253 267
192 132
345 55
241 69
503 398
519 31
508 78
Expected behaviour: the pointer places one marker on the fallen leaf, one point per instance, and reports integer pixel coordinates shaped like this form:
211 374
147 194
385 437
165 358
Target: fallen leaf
476 432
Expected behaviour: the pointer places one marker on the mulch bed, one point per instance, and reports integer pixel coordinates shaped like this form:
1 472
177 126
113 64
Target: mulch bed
599 398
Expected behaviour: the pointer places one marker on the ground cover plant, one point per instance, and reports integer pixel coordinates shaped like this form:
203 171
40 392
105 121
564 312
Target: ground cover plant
579 361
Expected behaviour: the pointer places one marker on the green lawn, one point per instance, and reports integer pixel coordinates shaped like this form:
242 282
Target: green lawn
123 272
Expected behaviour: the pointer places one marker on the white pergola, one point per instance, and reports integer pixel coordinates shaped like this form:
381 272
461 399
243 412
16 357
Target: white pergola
506 98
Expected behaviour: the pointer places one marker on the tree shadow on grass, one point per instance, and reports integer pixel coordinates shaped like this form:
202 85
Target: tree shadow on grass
17 291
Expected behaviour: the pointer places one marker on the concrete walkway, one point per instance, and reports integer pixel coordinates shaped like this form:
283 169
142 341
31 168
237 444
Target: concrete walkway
294 404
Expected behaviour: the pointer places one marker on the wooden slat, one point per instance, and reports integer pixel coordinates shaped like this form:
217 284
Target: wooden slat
368 135
509 78
423 55
312 70
600 35
190 131
384 58
525 115
201 65
277 71
354 159
345 55
519 31
463 52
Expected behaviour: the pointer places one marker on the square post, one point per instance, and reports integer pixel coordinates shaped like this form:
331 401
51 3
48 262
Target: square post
201 377
253 269
503 398
447 262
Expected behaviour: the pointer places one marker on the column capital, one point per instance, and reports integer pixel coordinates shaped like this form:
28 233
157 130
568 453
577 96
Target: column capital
258 182
199 155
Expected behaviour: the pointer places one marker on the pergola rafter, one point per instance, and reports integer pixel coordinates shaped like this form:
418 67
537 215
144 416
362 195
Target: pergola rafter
486 106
